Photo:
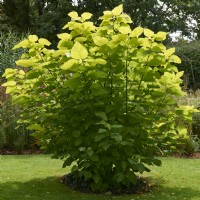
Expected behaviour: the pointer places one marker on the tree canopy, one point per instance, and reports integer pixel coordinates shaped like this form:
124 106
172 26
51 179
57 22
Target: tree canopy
47 17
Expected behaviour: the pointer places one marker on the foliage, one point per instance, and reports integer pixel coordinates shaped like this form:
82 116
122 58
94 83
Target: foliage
7 56
12 135
104 99
189 54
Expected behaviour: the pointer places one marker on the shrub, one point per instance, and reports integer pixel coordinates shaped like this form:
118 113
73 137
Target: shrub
104 100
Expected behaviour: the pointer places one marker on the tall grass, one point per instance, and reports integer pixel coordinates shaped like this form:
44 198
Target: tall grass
13 136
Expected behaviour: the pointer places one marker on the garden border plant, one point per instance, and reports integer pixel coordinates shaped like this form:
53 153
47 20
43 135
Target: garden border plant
104 101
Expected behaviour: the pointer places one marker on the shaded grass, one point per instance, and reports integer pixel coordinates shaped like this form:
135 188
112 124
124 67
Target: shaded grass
37 177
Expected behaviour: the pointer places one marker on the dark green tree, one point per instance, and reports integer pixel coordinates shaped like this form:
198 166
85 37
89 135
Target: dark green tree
47 17
19 13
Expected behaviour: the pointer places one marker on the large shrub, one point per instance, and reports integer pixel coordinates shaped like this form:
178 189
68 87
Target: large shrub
104 100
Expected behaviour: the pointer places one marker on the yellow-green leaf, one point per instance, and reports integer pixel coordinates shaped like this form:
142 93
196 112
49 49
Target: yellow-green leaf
24 44
9 84
79 51
9 72
107 15
36 127
67 65
100 61
100 41
59 53
64 36
21 72
160 36
126 18
80 39
25 63
33 38
136 32
117 10
86 15
119 37
169 52
73 15
89 25
175 59
44 41
182 130
124 29
93 62
148 32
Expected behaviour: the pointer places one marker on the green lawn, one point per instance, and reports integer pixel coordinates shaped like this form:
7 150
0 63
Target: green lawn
37 177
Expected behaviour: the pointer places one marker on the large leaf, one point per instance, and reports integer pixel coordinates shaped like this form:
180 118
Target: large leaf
64 36
136 32
67 65
73 15
100 41
160 36
22 44
33 38
124 29
169 52
102 115
79 51
116 136
148 32
86 15
9 72
44 41
175 59
117 10
9 84
25 63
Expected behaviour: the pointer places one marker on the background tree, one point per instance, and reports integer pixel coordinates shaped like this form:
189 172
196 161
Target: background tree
19 13
46 17
4 20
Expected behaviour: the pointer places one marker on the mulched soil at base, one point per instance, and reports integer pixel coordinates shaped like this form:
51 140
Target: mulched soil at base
23 152
78 184
192 155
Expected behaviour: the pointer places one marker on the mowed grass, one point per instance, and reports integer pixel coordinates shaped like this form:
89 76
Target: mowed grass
37 177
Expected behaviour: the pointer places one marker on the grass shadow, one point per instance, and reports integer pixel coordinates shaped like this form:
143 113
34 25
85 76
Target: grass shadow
51 188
